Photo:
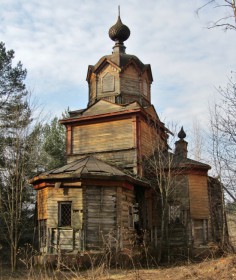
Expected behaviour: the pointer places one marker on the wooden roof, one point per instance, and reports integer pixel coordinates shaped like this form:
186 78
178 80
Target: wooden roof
86 165
104 107
85 168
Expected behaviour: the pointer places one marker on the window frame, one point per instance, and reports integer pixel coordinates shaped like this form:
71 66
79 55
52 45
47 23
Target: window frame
60 219
175 212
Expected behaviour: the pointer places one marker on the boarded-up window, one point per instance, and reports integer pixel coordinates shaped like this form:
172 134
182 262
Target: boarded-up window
64 214
200 231
108 83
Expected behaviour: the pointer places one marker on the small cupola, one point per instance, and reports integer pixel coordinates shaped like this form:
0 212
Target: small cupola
119 77
181 145
119 33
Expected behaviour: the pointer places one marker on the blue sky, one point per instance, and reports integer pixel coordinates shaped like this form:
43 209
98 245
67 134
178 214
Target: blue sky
56 40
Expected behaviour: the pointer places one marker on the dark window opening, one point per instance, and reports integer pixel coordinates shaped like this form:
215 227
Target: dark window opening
64 214
131 217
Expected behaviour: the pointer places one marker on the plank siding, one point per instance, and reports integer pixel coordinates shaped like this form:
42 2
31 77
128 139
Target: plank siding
127 232
42 195
113 135
58 195
100 215
146 86
198 195
111 71
149 139
130 85
92 89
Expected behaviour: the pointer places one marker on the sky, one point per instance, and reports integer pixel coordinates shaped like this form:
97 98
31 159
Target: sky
56 40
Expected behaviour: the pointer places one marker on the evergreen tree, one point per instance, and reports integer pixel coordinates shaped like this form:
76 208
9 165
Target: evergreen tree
15 148
54 144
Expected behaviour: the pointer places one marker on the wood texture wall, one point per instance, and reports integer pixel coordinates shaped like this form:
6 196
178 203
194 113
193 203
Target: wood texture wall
114 86
129 81
149 139
56 195
42 196
101 137
100 217
198 195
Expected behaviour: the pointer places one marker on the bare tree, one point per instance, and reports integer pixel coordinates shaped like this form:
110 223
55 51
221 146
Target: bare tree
197 140
228 19
16 145
223 136
163 173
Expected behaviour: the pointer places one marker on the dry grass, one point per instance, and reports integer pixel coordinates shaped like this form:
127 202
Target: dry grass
223 268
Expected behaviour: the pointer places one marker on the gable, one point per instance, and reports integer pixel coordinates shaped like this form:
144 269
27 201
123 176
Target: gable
102 107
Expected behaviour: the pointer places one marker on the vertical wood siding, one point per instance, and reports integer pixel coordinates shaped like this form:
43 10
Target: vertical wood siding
42 203
127 233
100 220
198 194
130 84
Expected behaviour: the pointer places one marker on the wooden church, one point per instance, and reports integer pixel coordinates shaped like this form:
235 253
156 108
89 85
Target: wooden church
118 166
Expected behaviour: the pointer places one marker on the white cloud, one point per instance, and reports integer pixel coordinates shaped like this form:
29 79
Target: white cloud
56 41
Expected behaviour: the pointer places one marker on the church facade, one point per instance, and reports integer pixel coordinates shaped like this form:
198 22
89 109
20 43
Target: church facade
121 182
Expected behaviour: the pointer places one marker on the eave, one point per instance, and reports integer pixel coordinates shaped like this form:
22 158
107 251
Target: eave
112 115
42 181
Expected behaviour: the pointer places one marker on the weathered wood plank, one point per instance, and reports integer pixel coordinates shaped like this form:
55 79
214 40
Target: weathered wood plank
111 135
198 194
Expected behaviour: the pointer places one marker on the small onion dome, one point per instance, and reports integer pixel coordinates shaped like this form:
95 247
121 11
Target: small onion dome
119 32
182 133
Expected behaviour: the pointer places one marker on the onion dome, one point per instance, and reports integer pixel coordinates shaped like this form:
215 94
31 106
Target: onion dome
182 133
119 32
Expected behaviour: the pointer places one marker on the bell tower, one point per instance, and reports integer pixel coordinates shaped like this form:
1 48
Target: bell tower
120 78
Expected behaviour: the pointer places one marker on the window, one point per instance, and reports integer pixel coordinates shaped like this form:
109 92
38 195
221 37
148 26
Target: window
131 217
64 214
200 231
174 213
